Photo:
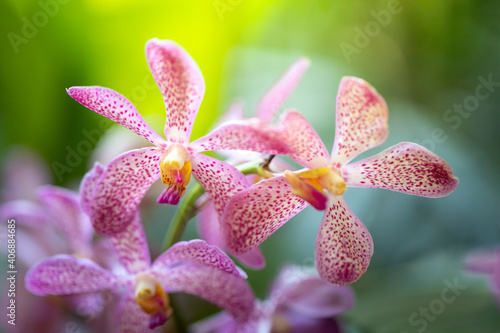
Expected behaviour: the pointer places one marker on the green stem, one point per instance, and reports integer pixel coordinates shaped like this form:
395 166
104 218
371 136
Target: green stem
187 209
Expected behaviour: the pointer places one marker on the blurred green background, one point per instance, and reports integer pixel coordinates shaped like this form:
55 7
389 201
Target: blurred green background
426 58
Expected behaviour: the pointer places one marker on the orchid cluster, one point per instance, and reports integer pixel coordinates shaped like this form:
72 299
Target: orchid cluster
240 201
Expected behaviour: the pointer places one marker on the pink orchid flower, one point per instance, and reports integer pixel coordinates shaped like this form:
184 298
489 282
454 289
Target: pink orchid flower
343 245
208 218
126 179
193 267
488 263
299 301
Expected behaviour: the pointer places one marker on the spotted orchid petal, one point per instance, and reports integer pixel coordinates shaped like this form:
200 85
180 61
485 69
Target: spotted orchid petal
64 207
87 186
131 246
63 275
274 98
26 213
112 105
343 245
209 230
251 134
307 148
405 167
130 317
361 120
121 187
252 215
195 251
181 84
225 290
220 180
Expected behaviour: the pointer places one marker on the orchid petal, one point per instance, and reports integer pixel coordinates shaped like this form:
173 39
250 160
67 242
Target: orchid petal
209 230
274 98
112 105
361 120
220 180
121 187
405 167
64 206
251 134
87 186
63 275
181 84
307 148
195 251
225 290
132 247
25 213
254 214
483 262
130 317
343 246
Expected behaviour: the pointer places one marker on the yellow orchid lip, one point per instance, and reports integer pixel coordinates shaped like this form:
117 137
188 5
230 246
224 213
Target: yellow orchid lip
153 300
175 170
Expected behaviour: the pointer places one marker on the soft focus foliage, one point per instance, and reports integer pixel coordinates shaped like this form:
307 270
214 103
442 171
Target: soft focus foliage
427 59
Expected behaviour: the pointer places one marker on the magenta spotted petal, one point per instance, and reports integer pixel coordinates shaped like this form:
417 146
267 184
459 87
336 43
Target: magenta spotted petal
114 106
254 214
129 316
181 84
361 120
343 245
63 275
225 290
87 186
121 187
405 167
195 251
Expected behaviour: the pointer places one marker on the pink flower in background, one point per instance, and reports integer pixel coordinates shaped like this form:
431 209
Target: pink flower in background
208 218
299 301
193 267
487 263
126 179
344 245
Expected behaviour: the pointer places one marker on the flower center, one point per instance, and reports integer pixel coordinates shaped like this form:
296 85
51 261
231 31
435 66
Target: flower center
310 185
175 173
152 299
280 324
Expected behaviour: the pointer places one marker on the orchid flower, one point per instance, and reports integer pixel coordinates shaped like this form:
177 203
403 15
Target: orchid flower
487 262
299 301
208 217
126 179
193 267
343 245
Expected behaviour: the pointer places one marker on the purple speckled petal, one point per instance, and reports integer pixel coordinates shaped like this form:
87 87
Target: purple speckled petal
274 98
26 213
87 186
195 251
63 275
254 214
307 148
405 167
251 134
226 290
181 84
121 187
343 245
114 106
129 316
64 207
132 247
209 230
220 180
361 120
